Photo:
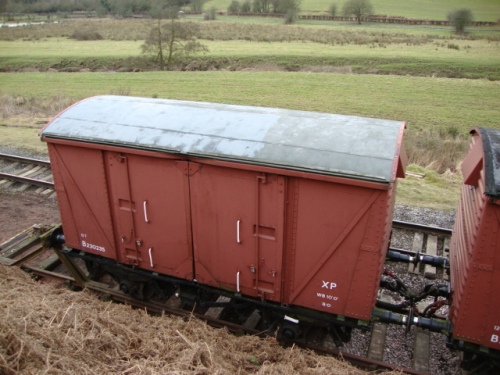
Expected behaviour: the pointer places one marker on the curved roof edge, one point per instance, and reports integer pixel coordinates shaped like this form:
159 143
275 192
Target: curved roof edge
346 146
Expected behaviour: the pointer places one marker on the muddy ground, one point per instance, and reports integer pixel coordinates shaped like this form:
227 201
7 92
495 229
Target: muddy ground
19 211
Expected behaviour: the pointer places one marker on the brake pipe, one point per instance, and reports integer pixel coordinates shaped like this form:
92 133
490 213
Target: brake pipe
397 255
432 324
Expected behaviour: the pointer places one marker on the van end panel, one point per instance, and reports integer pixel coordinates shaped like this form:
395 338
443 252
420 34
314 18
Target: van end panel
82 193
329 260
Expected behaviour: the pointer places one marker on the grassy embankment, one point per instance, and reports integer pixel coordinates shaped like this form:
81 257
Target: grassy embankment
438 112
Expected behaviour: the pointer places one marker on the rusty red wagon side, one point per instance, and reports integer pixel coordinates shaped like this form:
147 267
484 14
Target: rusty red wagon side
287 206
475 245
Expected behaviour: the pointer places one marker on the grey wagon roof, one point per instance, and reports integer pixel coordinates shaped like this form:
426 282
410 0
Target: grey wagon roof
356 147
491 146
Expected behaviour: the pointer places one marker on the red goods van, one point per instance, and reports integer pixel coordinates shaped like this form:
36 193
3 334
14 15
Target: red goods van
475 245
288 206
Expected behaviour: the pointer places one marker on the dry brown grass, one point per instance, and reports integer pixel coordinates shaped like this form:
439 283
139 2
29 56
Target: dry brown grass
21 118
48 330
138 29
31 109
108 28
437 151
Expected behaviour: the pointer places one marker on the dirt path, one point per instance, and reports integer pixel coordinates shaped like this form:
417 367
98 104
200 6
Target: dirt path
19 211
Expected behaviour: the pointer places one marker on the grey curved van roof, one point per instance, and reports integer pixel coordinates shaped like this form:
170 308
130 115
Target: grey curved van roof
348 146
491 146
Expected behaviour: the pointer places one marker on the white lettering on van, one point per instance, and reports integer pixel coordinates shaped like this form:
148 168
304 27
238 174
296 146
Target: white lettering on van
91 246
328 285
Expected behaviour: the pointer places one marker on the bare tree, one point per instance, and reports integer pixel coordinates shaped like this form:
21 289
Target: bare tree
290 8
460 18
357 8
332 9
175 39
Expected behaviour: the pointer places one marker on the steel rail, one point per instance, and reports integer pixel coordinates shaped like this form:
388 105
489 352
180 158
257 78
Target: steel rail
27 180
21 159
429 229
362 362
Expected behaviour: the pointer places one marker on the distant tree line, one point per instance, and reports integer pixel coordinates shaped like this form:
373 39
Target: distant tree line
359 9
127 8
114 7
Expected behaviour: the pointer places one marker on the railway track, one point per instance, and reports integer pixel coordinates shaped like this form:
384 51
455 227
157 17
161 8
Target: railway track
30 251
20 174
428 245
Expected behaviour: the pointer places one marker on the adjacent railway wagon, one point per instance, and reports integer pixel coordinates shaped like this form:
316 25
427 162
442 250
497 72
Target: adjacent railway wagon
475 246
285 206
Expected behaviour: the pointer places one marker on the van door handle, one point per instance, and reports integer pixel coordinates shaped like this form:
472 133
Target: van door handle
145 209
150 251
238 239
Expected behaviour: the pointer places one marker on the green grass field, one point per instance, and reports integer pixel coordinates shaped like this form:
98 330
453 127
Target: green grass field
425 103
465 54
483 10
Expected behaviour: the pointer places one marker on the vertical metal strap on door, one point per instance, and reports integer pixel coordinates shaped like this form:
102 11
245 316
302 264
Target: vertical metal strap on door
261 179
124 159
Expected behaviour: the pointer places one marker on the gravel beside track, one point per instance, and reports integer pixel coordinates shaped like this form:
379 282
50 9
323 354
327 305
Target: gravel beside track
399 344
23 153
425 216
